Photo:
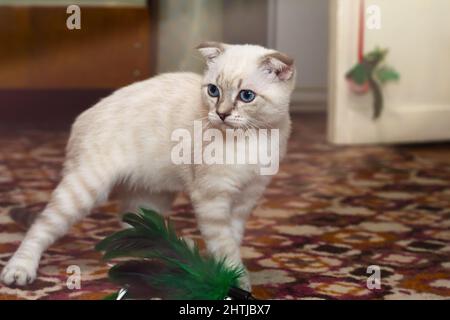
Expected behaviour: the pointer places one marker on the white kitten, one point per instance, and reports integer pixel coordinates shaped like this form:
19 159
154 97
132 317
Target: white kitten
125 140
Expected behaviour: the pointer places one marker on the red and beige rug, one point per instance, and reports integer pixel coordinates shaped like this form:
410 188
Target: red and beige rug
329 214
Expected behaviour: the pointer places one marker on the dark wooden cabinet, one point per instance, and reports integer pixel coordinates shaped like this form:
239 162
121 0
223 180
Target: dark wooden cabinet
113 47
39 55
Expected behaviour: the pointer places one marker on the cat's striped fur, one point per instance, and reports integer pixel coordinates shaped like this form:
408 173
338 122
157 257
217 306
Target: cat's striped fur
125 141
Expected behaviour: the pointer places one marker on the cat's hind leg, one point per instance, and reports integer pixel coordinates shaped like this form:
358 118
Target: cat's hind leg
74 197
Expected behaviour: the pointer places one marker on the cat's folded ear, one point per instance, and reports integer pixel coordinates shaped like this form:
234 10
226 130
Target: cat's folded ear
211 50
278 64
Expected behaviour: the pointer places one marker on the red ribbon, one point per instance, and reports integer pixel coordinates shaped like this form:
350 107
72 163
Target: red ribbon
361 31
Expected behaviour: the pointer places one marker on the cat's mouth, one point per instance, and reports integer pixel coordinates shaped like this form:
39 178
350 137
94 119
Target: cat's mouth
226 125
218 123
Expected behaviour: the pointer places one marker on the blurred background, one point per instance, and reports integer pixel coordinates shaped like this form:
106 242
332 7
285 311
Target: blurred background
49 72
46 66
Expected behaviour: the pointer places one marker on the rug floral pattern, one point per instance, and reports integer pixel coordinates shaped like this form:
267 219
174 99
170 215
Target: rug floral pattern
329 214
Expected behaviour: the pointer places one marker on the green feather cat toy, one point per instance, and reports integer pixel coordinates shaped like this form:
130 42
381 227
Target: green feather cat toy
164 265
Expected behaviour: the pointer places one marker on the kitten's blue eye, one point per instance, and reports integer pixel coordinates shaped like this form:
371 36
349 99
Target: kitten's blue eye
213 91
247 96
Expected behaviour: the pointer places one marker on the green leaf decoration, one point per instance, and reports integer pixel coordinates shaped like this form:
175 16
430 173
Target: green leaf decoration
358 74
376 56
370 71
385 74
164 265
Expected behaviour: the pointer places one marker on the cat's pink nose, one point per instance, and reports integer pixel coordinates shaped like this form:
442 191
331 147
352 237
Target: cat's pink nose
222 115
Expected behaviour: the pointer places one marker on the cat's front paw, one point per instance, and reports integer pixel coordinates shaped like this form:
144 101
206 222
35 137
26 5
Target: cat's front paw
19 273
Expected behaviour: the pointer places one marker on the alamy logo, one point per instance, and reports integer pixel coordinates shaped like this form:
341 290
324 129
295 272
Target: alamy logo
237 146
74 280
373 17
374 280
74 20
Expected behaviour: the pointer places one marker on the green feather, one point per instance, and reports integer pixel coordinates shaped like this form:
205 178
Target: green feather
112 296
168 268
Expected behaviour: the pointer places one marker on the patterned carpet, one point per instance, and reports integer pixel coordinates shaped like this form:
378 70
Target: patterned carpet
329 214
